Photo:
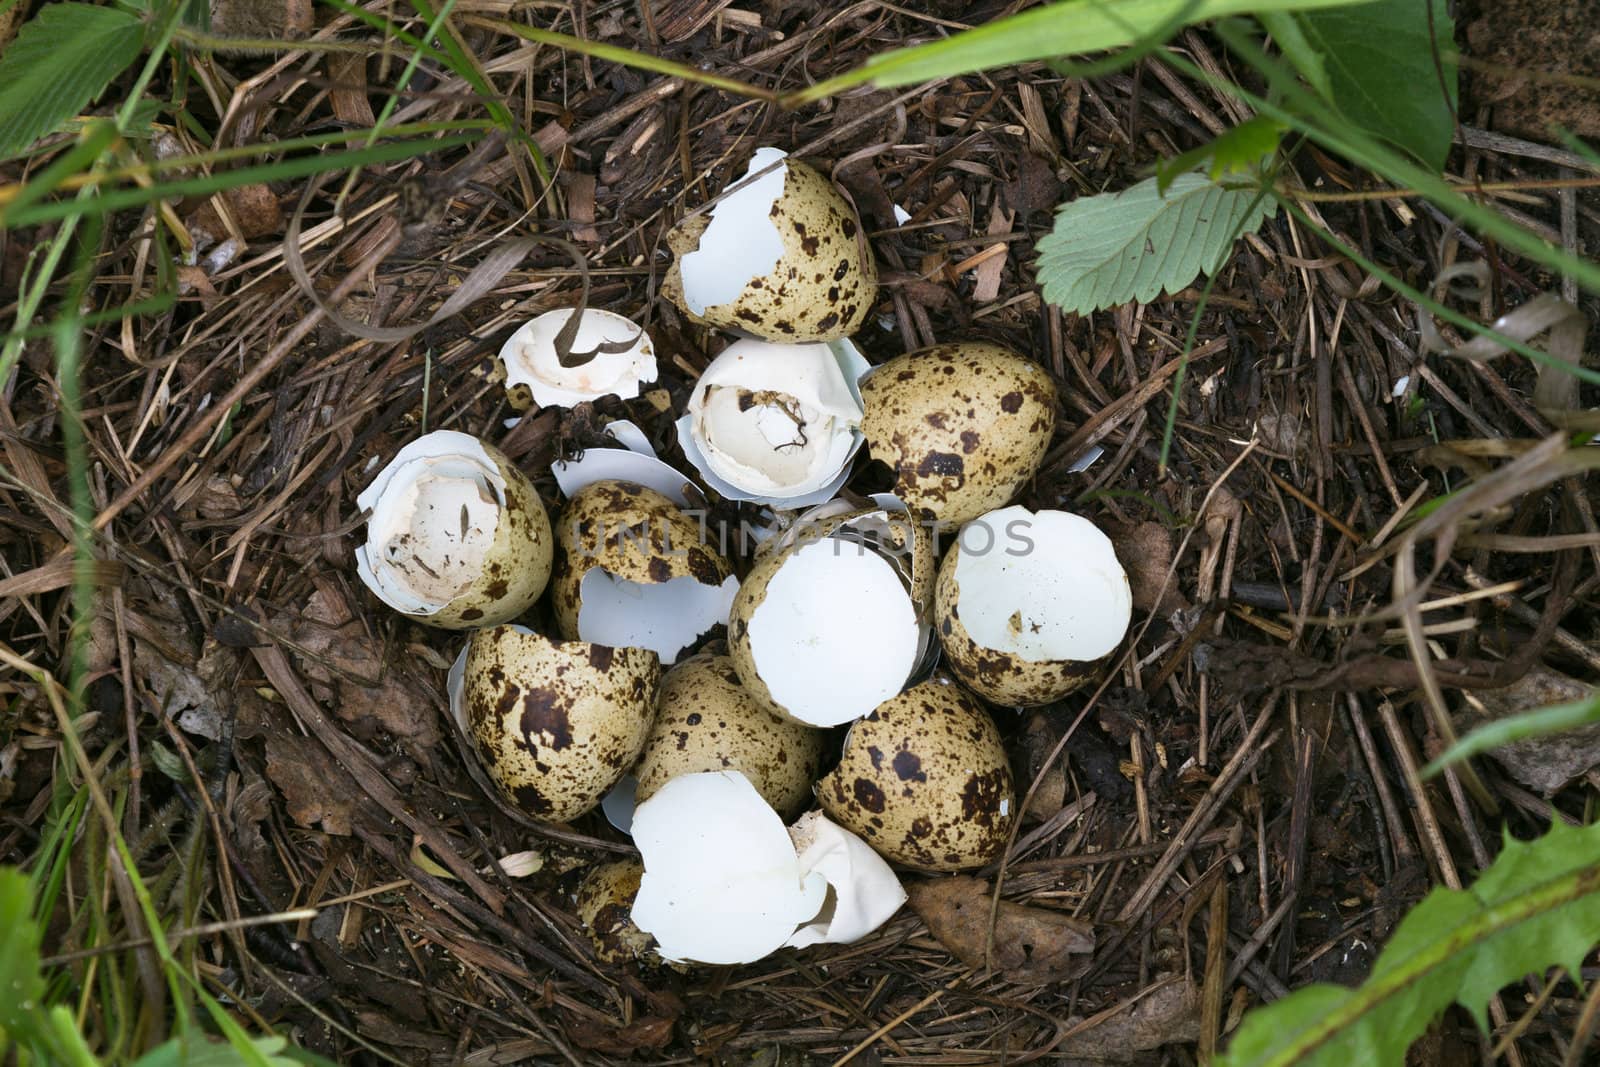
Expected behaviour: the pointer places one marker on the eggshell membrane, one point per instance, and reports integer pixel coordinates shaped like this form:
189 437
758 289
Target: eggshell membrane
924 780
706 721
863 892
783 267
635 461
647 574
1043 611
963 426
604 902
531 362
556 723
515 564
823 630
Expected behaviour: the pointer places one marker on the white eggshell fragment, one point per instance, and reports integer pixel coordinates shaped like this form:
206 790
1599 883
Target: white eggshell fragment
635 461
1029 603
722 883
531 361
779 256
635 571
825 629
776 424
863 892
456 535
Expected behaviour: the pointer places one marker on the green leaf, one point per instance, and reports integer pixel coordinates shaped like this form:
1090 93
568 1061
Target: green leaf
61 59
21 984
1536 906
195 1049
1380 60
1064 29
1540 722
1116 247
1240 150
1290 35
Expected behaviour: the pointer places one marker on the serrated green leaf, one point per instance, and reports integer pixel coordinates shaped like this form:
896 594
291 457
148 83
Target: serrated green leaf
62 58
195 1049
21 984
1380 65
1239 150
1115 247
1536 906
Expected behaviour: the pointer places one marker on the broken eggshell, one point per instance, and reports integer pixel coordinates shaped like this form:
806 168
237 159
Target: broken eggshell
828 624
778 256
533 367
722 883
705 721
925 781
1028 604
556 724
863 892
604 900
635 571
456 535
776 424
962 426
635 461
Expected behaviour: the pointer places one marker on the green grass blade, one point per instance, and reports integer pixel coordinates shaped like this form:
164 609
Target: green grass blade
1539 723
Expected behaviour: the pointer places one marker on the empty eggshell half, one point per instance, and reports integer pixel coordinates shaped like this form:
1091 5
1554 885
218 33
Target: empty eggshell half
863 893
706 721
635 461
776 424
533 367
555 724
1028 604
779 256
925 781
635 571
962 426
722 883
456 535
825 627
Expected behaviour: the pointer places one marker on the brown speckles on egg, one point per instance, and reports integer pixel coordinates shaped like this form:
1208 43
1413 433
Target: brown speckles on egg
951 401
944 800
707 721
604 906
556 723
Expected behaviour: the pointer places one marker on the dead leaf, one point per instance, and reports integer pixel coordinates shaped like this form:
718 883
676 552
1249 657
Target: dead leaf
1039 737
1555 37
1036 189
276 19
313 786
647 1032
1031 945
1169 1014
1145 551
1542 763
349 93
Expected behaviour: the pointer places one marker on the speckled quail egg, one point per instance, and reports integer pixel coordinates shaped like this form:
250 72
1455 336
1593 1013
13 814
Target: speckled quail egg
962 426
633 570
620 358
831 620
555 723
706 721
604 901
924 780
781 257
1028 604
456 535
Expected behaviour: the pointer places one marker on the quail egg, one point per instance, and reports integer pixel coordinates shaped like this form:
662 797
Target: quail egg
962 426
780 256
924 780
456 536
604 901
1028 604
620 358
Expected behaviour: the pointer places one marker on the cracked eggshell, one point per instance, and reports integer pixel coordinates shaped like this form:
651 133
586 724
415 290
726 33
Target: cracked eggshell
863 893
781 257
556 724
634 570
456 535
722 883
534 371
962 426
635 461
776 424
924 780
825 628
1029 605
706 721
604 901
